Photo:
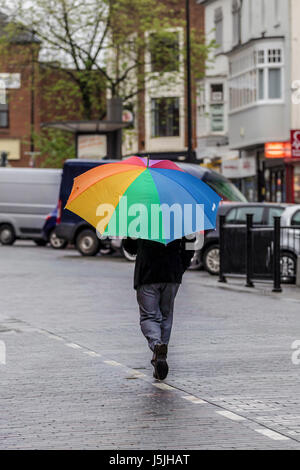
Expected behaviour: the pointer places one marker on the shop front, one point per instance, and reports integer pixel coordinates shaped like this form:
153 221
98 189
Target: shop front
281 174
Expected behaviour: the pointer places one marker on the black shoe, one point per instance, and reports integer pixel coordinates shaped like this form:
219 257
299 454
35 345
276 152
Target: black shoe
159 361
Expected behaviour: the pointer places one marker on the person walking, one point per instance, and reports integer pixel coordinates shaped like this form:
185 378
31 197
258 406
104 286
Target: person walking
158 274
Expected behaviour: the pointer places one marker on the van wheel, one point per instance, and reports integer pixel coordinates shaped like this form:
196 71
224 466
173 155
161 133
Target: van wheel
56 242
87 243
7 235
211 260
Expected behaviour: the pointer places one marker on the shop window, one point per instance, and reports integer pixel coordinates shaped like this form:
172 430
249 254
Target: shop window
165 117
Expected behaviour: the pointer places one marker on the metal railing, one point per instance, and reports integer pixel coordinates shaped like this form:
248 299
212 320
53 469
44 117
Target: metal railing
252 251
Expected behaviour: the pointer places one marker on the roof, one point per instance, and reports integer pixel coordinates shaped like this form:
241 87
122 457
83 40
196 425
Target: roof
86 126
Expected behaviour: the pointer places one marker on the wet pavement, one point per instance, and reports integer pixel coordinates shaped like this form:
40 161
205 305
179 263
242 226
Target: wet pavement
78 375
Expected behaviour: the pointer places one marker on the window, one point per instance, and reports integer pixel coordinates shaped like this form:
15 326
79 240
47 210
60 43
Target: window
165 117
239 215
274 212
217 107
274 84
255 76
236 22
4 112
216 91
219 27
296 219
164 50
261 84
270 73
217 117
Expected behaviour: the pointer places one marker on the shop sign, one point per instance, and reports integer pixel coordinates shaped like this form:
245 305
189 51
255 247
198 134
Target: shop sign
240 168
295 143
278 150
91 146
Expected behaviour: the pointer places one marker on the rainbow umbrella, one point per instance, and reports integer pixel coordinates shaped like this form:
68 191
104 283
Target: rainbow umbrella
141 198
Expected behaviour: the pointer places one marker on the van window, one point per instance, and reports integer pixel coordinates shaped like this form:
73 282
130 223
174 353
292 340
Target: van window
226 190
296 219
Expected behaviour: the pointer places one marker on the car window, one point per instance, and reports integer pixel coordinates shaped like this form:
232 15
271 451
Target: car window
296 219
231 216
273 212
239 215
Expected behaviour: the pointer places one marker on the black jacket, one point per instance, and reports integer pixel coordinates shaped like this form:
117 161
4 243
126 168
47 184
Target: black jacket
157 263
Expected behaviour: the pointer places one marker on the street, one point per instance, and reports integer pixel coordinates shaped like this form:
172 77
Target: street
78 373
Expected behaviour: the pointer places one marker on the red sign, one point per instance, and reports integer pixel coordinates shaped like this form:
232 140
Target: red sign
295 142
278 150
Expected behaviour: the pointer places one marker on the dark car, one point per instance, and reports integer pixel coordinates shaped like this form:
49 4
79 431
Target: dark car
49 231
235 213
75 230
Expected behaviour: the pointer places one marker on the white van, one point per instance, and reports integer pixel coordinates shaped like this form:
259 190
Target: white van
27 195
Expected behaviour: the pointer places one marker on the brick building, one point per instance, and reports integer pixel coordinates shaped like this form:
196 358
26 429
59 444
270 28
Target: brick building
33 94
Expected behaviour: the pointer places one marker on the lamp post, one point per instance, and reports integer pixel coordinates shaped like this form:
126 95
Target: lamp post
190 156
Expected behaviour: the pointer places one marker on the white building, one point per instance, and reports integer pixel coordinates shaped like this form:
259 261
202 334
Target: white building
258 59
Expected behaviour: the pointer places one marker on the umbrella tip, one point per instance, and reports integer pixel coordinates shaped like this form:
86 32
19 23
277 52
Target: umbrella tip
148 159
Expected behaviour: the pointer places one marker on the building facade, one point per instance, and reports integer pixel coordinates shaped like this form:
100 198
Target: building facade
260 43
160 111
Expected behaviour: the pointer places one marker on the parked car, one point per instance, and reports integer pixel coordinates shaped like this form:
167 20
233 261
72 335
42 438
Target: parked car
27 195
235 213
49 232
290 242
75 230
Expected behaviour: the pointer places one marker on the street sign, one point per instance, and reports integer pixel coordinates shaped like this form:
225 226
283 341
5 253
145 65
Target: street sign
295 143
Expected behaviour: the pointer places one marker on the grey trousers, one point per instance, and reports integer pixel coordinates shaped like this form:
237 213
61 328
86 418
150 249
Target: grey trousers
156 303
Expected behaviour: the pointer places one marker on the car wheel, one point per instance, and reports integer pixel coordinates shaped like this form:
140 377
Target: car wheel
211 260
40 242
56 242
7 235
127 255
288 267
196 262
87 243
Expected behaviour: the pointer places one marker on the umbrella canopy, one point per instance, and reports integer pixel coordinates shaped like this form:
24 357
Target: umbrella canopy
141 198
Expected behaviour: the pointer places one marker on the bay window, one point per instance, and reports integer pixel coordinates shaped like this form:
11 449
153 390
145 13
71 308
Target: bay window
256 77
